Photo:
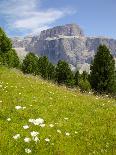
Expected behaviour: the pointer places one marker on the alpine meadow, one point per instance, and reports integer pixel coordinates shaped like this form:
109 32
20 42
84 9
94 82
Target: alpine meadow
57 79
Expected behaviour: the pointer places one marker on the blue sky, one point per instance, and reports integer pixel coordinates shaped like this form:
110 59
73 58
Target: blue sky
24 17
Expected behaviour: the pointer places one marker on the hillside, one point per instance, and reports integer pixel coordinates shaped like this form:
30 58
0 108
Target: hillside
65 122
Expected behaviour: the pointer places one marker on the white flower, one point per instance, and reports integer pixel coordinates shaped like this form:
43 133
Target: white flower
42 125
8 119
58 131
37 121
16 136
27 150
18 107
66 118
47 139
23 108
31 120
25 126
0 101
27 140
67 134
36 139
19 93
51 125
34 133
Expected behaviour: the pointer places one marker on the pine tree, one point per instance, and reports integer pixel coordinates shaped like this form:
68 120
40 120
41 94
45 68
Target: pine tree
76 78
29 64
51 71
11 59
102 70
5 42
63 73
43 64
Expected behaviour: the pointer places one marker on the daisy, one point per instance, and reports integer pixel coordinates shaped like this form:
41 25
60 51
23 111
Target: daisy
8 119
66 118
36 139
67 134
51 125
23 108
16 136
28 150
47 139
25 127
27 140
34 133
18 107
58 131
42 125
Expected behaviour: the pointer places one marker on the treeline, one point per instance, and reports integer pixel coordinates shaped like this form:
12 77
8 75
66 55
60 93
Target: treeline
102 77
60 73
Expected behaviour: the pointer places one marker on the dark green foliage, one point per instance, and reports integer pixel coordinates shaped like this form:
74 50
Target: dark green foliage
30 63
84 75
76 78
102 70
84 85
5 42
63 73
43 65
1 60
11 59
51 71
8 56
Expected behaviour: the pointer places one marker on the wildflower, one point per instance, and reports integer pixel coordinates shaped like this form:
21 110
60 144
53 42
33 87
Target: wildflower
66 118
37 121
47 139
34 133
16 136
42 125
51 125
36 139
67 134
28 150
25 126
0 101
8 119
18 107
19 93
31 120
27 140
23 108
58 131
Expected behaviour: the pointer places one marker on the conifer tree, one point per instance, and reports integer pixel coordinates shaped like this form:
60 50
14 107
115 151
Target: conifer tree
63 73
102 70
29 64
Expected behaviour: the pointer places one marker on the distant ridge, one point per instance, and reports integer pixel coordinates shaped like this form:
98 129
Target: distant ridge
66 42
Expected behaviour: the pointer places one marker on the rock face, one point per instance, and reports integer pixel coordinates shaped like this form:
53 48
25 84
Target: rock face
67 43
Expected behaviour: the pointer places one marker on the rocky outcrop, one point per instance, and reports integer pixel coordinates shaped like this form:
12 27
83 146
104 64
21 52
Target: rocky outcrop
68 43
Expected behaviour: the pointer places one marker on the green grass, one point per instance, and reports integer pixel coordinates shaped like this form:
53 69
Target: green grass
91 120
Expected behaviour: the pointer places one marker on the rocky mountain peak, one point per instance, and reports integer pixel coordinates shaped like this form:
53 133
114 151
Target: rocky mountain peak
66 30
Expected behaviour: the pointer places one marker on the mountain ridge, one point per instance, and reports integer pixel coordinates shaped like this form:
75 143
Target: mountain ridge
66 42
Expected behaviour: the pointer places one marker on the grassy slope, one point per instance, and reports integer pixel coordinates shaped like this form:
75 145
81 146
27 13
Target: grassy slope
93 119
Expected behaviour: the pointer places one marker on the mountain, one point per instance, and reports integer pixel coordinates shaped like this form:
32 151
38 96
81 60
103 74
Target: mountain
66 42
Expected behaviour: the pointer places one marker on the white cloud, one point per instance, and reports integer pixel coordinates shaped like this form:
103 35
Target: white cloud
28 15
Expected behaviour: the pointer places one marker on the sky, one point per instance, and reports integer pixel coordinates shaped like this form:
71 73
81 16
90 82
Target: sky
29 17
